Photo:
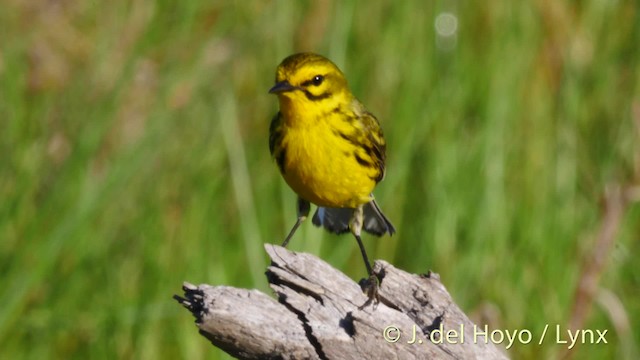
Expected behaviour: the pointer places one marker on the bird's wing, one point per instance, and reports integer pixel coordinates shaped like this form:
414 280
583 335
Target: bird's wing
275 139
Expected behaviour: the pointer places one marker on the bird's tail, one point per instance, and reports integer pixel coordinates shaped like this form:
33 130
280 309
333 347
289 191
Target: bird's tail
336 220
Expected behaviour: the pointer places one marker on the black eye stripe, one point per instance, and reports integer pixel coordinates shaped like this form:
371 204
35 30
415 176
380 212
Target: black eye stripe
315 81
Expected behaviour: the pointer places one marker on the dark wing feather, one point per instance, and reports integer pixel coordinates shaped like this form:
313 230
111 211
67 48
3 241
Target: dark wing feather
275 132
368 136
377 146
278 151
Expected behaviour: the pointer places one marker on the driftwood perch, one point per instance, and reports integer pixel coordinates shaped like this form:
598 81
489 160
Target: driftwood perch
318 314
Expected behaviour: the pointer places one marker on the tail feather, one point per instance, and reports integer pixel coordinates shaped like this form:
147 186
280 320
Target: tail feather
336 220
375 222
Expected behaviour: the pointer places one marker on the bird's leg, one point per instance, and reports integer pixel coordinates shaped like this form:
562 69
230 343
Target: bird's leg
371 286
303 211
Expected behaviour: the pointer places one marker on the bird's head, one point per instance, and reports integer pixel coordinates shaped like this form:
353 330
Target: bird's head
306 79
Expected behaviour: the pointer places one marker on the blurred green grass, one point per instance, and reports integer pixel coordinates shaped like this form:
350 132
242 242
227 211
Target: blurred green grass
134 157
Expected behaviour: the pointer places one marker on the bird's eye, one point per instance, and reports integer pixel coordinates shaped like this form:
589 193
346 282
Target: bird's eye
317 80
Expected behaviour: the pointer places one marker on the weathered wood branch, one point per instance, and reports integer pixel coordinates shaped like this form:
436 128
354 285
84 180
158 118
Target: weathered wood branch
319 314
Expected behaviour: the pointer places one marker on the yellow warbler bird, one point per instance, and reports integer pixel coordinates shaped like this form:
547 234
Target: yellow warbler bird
330 150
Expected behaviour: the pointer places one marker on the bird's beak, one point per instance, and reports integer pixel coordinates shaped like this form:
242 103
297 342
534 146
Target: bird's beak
282 86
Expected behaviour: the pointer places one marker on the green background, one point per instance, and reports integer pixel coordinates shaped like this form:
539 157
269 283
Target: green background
133 142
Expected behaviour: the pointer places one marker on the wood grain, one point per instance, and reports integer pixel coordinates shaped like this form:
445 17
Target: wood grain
320 313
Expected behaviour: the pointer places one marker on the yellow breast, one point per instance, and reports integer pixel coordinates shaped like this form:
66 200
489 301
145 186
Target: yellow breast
321 167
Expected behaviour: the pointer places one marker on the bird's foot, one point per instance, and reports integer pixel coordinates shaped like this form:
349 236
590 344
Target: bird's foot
370 287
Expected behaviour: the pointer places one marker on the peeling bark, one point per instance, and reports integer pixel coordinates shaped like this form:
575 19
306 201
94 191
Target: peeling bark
320 313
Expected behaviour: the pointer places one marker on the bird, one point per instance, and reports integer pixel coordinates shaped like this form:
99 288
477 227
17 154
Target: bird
330 151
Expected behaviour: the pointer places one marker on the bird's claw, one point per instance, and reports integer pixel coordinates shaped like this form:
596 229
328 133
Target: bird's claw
370 287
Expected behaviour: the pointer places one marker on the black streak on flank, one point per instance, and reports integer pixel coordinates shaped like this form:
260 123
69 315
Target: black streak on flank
371 151
362 161
344 115
350 139
344 136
